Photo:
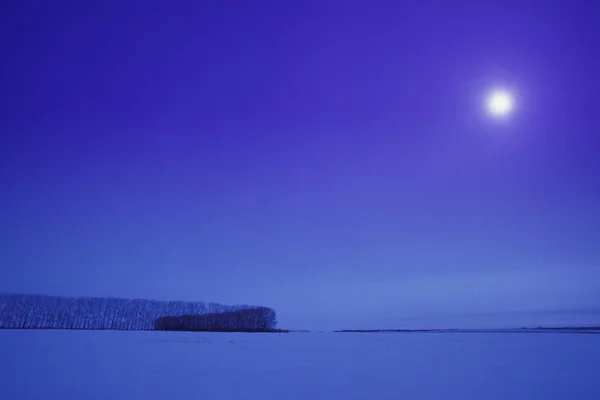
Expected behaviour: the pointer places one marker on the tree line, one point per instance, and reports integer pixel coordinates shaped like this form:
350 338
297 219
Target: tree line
252 319
21 311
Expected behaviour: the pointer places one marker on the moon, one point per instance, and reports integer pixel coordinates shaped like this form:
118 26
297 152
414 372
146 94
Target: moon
500 103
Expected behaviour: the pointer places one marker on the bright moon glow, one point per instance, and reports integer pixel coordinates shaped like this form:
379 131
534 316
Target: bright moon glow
500 103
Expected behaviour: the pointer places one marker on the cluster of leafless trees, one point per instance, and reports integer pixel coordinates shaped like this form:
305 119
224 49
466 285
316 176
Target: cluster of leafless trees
19 311
248 319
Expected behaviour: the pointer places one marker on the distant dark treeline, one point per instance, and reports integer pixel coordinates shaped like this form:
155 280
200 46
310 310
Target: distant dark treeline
392 330
581 329
257 319
18 311
565 328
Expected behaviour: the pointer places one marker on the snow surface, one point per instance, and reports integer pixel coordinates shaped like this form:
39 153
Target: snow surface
171 365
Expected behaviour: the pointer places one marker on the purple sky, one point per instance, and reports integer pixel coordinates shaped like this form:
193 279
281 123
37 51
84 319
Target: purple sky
331 159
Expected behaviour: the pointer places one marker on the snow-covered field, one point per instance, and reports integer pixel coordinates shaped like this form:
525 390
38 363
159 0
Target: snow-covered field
88 365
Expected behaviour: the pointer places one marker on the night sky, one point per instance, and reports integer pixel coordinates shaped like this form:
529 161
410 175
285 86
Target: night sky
331 159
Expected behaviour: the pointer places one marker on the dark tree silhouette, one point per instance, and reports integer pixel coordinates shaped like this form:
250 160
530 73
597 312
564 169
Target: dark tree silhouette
246 319
19 311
